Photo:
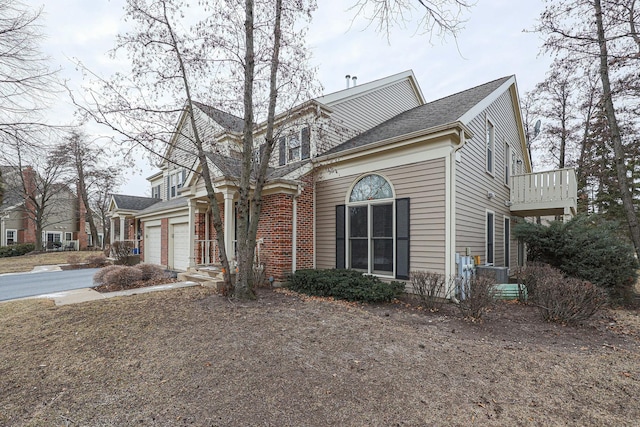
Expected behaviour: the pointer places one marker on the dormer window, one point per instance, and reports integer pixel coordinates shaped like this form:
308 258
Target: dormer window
295 146
155 191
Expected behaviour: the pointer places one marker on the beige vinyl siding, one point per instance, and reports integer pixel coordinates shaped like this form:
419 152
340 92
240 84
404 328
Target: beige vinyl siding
355 115
422 182
473 183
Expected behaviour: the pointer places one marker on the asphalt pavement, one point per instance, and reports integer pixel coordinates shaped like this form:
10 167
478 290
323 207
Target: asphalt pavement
20 285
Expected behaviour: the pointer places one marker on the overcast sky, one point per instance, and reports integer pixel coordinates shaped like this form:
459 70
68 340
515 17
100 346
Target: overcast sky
491 45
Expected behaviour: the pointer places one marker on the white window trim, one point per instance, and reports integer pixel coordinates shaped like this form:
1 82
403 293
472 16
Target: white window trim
6 236
70 234
490 145
493 237
175 186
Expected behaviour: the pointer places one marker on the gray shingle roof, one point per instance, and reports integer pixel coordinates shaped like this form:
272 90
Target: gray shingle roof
232 167
133 203
436 113
162 205
226 120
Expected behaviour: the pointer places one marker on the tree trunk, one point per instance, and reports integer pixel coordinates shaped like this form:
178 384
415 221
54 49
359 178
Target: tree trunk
618 149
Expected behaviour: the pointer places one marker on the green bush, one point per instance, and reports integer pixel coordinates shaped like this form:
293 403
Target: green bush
588 248
348 285
16 250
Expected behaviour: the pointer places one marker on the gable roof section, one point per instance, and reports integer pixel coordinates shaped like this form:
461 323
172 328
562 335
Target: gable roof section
133 203
232 168
358 90
226 120
437 113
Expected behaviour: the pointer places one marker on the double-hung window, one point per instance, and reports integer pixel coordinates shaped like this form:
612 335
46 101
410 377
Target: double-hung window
11 237
295 146
175 182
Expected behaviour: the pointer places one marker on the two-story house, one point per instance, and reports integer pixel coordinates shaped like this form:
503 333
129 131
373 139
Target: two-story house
372 178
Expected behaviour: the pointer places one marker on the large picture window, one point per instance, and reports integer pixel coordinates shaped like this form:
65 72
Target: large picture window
370 222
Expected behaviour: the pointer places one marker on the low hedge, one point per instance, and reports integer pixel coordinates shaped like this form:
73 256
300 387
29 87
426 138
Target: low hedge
16 250
348 285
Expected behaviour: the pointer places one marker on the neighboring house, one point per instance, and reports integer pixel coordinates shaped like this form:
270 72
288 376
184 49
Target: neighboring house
371 177
61 222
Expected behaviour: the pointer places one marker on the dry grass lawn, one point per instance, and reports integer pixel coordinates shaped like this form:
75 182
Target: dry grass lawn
191 357
27 262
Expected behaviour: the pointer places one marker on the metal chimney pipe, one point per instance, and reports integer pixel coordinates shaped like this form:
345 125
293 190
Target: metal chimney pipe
348 77
354 78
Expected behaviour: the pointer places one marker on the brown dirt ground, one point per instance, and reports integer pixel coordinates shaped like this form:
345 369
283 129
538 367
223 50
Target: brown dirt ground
191 357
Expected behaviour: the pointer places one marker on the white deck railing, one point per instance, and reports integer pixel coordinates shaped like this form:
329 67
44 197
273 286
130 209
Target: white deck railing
544 187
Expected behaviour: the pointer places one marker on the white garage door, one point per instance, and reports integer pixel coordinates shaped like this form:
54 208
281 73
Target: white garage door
180 246
152 245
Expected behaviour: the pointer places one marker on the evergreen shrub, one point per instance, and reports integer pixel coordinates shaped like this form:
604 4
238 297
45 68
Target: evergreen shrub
348 285
16 250
588 248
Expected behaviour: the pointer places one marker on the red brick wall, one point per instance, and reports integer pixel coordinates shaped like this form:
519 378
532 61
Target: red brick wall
304 226
83 238
142 225
164 241
29 235
276 228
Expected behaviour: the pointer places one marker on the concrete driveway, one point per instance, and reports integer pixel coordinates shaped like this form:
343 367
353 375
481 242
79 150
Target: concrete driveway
19 285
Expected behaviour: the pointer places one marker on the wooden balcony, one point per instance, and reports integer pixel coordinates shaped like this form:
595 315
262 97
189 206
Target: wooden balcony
544 193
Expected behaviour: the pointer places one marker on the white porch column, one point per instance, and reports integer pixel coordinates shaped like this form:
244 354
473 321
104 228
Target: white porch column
192 234
122 228
228 224
112 230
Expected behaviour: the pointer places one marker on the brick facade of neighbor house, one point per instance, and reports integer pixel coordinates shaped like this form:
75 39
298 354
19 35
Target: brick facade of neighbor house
29 225
81 235
164 241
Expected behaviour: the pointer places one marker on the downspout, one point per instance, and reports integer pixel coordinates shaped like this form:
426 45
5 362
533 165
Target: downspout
452 227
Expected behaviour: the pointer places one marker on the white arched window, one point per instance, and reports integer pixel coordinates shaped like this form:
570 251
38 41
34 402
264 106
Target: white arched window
371 226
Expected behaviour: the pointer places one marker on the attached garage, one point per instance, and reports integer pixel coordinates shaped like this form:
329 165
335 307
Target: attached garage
152 245
180 246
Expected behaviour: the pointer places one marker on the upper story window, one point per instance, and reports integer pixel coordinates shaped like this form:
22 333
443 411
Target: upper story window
295 146
175 180
490 142
155 191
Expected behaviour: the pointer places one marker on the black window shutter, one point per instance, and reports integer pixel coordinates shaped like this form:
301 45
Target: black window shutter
283 151
306 143
340 237
402 239
184 175
168 187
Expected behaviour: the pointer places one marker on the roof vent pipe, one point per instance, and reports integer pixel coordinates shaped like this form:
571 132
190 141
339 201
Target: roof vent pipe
348 77
354 78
